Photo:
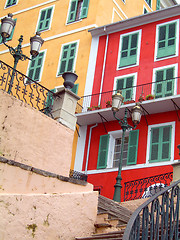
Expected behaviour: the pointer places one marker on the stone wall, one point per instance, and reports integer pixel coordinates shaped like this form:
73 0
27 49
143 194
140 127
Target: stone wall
30 137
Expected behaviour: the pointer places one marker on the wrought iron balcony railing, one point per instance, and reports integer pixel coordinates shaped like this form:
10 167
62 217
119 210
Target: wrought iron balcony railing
139 93
157 218
146 187
25 89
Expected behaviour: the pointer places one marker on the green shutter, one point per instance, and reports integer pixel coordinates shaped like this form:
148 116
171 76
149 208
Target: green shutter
73 10
103 151
75 88
160 144
45 19
49 102
10 37
157 4
126 85
164 82
129 50
149 2
67 59
167 40
84 10
132 147
11 3
35 67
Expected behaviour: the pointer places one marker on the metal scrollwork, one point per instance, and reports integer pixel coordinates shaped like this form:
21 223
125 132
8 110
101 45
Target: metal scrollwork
157 218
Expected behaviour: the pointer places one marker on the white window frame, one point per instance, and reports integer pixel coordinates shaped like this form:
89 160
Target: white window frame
134 84
177 40
61 51
29 62
53 6
138 50
172 143
68 15
144 7
10 6
112 136
161 68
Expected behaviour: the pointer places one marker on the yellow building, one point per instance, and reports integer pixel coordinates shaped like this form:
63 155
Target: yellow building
64 27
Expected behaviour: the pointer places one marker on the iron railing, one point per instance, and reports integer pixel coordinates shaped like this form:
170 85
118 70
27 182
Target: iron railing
77 175
25 89
146 187
157 218
137 93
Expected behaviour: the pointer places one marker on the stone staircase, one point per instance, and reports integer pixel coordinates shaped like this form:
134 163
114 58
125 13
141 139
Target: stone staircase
111 220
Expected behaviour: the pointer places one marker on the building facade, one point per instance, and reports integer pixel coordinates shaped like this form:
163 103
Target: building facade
139 56
64 27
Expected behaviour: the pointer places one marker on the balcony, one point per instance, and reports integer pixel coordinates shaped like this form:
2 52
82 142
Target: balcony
165 97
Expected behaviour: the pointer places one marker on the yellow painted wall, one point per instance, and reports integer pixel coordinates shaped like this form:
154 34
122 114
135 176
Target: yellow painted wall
100 12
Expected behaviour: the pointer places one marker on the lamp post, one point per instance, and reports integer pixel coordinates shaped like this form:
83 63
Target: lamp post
117 100
7 25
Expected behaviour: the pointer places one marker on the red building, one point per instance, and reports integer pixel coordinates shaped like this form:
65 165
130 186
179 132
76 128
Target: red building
139 56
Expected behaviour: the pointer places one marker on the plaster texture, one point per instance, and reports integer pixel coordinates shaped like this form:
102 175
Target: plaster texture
30 137
47 217
16 180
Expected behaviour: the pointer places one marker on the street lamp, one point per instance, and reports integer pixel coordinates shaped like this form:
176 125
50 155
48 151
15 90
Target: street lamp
7 25
136 113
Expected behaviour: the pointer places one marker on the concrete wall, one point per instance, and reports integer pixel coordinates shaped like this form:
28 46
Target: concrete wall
47 217
30 137
37 199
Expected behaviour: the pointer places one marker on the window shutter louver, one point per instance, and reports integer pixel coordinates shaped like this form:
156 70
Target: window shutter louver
35 67
158 5
103 151
132 147
72 12
45 19
84 10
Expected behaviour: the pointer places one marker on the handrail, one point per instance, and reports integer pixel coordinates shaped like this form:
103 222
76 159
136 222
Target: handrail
25 88
156 216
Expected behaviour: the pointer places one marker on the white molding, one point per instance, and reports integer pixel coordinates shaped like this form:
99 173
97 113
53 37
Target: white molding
134 82
138 49
114 10
53 7
30 8
91 66
120 9
137 166
175 66
80 148
29 62
172 144
156 40
59 61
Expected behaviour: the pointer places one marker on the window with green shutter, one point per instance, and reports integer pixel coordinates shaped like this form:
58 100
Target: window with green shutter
166 45
132 147
129 49
9 38
75 88
149 2
45 19
67 58
160 144
78 10
126 85
157 4
117 152
10 3
164 85
103 151
35 67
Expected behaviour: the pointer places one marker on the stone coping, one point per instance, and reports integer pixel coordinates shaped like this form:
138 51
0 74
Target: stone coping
42 172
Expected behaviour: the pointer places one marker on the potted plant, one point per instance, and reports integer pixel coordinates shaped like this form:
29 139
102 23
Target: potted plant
149 97
89 108
141 99
108 104
97 107
129 101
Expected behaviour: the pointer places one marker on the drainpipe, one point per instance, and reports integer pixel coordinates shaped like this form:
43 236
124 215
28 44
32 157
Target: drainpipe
89 143
104 63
